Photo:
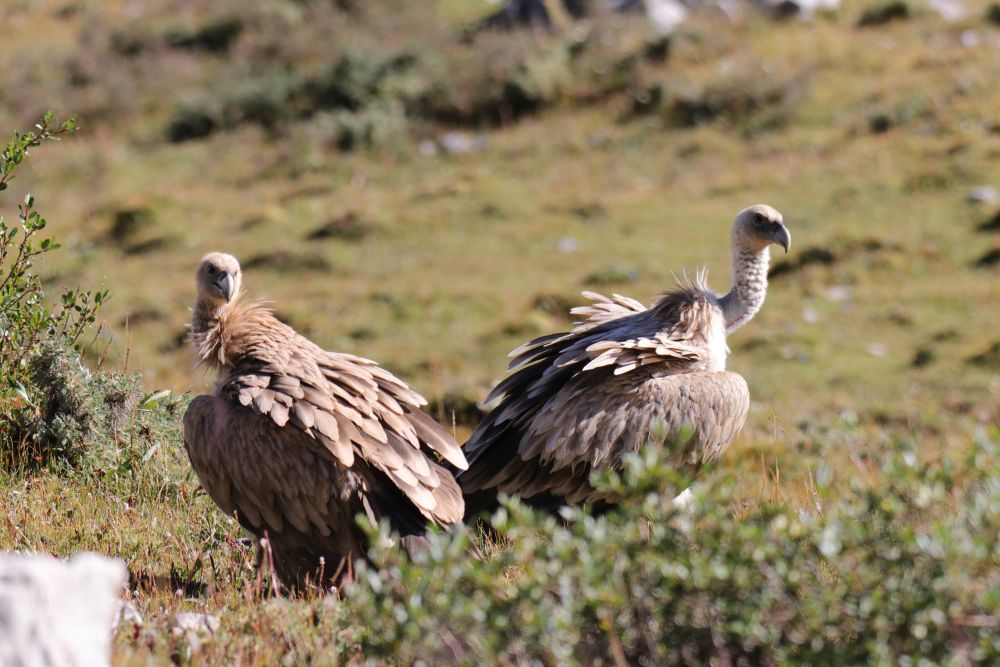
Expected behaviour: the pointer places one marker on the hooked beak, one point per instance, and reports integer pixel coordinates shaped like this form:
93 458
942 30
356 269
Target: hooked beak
782 236
224 283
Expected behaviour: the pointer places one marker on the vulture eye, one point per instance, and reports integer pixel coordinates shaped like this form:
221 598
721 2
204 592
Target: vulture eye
759 220
211 270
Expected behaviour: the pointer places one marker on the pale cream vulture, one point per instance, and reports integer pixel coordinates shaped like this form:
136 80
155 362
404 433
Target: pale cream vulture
580 401
297 441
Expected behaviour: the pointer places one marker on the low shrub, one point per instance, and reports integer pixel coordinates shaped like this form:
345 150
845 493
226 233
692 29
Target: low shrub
214 37
750 97
895 10
68 414
431 77
375 125
44 393
899 574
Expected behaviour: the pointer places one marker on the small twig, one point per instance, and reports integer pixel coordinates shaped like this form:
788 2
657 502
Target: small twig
265 544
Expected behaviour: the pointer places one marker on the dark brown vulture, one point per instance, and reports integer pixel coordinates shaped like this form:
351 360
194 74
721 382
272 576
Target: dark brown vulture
580 401
297 441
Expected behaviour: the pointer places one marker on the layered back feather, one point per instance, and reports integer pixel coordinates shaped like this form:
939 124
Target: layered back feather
298 440
348 404
580 400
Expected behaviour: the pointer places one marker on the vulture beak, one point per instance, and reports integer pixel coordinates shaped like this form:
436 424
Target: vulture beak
781 236
224 283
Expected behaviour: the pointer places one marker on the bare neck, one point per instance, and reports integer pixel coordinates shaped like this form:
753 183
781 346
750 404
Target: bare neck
749 285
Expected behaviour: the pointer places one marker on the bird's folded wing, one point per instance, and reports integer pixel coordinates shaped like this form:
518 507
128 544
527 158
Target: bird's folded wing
246 470
627 355
352 407
557 358
695 415
604 309
589 359
599 366
598 428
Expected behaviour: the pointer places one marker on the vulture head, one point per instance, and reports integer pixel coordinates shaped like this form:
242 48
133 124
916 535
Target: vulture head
218 278
759 226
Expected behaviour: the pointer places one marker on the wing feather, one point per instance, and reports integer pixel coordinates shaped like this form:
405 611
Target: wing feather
305 414
352 408
264 400
604 309
576 400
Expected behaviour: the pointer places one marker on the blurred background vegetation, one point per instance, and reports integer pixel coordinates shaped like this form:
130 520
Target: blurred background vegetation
426 186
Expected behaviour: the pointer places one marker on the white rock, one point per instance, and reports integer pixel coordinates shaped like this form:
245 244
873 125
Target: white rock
187 621
567 244
983 194
876 349
193 627
461 142
56 613
838 293
970 39
949 10
428 148
665 15
684 499
125 613
804 9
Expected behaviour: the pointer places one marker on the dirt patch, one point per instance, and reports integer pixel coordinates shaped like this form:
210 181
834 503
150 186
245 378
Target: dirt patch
283 260
347 227
990 258
991 225
989 358
834 253
126 223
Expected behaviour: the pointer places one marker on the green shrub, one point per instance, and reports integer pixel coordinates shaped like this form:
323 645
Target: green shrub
899 574
33 380
895 10
993 14
373 125
191 121
213 37
430 76
750 97
365 96
69 413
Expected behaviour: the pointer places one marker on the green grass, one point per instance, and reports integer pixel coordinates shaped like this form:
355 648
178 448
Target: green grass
462 247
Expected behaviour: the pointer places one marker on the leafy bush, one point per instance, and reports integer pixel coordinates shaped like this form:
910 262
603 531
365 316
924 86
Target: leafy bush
900 574
365 95
34 378
376 89
751 96
895 10
214 37
374 125
993 14
68 413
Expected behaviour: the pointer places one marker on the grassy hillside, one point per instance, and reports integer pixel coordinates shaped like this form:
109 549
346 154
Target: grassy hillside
308 140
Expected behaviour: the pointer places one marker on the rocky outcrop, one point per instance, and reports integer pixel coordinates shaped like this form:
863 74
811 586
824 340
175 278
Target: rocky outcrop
58 613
